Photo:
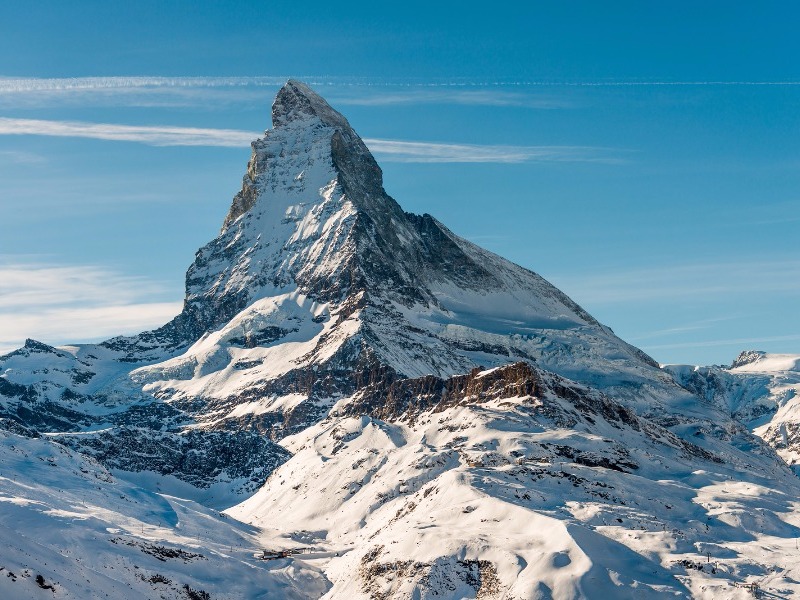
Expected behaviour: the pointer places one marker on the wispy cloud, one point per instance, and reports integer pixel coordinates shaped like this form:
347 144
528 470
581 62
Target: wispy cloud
434 152
450 95
135 91
11 85
20 157
681 329
36 84
645 83
738 343
30 283
387 150
145 134
216 91
702 281
66 303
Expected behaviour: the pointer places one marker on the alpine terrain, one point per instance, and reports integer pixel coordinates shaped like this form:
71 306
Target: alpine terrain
355 402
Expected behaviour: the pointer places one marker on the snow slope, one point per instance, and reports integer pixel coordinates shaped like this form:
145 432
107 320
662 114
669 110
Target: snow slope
560 493
87 534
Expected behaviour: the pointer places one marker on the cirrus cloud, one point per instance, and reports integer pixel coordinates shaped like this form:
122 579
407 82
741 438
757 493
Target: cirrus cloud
159 135
60 304
387 150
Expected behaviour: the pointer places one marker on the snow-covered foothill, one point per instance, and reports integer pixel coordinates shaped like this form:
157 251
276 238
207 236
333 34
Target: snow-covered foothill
562 494
760 389
71 529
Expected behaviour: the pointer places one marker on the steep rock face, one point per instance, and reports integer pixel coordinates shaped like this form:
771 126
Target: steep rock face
240 460
747 357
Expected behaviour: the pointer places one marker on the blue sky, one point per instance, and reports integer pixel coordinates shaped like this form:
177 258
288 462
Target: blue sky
642 157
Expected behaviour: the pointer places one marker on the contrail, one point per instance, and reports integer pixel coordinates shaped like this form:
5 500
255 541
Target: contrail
10 85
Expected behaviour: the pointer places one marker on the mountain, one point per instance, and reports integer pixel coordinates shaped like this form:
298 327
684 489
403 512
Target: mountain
760 390
318 284
515 483
424 417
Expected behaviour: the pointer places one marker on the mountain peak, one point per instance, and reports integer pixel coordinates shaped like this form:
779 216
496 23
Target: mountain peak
313 233
297 113
757 361
747 357
296 101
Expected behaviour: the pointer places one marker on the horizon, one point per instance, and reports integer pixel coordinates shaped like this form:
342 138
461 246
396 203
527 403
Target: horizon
653 181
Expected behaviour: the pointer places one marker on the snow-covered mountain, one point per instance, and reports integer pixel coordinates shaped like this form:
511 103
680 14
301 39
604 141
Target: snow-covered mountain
319 280
429 418
317 284
515 483
759 389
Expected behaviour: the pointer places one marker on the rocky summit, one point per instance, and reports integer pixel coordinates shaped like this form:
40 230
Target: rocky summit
394 412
